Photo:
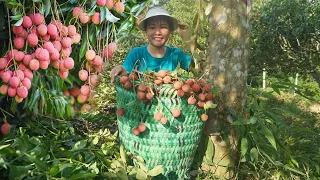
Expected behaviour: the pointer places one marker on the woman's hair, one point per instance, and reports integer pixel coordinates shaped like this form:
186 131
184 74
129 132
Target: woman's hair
169 21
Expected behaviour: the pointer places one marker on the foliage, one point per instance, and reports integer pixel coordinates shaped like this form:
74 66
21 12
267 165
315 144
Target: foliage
285 38
276 140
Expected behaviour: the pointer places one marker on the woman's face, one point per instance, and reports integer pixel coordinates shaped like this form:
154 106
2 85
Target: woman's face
158 31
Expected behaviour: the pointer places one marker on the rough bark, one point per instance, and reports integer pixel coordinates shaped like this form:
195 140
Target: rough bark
228 63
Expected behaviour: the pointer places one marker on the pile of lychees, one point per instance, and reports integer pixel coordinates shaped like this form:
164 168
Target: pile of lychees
197 91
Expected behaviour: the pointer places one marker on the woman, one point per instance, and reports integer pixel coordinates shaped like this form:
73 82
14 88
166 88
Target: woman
158 25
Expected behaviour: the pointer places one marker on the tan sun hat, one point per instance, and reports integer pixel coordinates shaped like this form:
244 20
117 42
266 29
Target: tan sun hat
158 11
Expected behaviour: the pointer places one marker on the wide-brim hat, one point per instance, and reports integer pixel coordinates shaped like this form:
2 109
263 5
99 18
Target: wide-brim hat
158 11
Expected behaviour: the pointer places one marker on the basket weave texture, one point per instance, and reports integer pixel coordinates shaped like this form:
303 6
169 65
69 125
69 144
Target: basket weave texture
172 145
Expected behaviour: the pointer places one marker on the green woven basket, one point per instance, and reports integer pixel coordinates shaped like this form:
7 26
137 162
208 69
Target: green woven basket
172 145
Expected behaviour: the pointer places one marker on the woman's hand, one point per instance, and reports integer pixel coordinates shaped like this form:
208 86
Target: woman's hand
117 71
184 31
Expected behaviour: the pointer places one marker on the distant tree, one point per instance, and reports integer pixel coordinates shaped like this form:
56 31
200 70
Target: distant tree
286 38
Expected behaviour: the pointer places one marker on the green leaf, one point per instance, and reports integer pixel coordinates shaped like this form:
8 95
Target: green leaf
82 175
33 99
253 119
141 175
110 175
135 8
34 140
123 154
95 140
17 172
273 117
126 26
92 34
83 47
110 17
209 105
156 171
19 22
209 152
103 13
254 155
244 146
143 167
16 17
268 134
80 145
47 7
4 146
42 166
54 170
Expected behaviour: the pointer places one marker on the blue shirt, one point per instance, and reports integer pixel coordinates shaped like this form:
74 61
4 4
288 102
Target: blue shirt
140 57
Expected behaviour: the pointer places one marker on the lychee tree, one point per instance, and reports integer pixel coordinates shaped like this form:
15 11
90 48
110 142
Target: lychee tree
55 51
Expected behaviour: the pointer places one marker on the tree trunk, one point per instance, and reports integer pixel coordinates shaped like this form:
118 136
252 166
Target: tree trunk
228 63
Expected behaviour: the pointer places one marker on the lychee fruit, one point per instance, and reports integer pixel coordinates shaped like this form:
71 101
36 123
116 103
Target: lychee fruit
175 112
157 116
18 42
12 91
83 75
149 96
167 79
164 120
142 128
90 54
121 111
63 74
128 85
85 90
162 73
76 11
93 79
32 39
37 19
5 128
68 63
34 64
52 30
123 79
4 89
97 60
27 23
135 131
96 18
17 29
204 117
42 29
119 7
141 95
26 82
112 47
177 85
192 100
22 91
186 88
196 88
14 81
109 4
84 18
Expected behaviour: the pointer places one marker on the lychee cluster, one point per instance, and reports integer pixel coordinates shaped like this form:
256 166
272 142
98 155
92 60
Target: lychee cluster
81 94
36 46
84 17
